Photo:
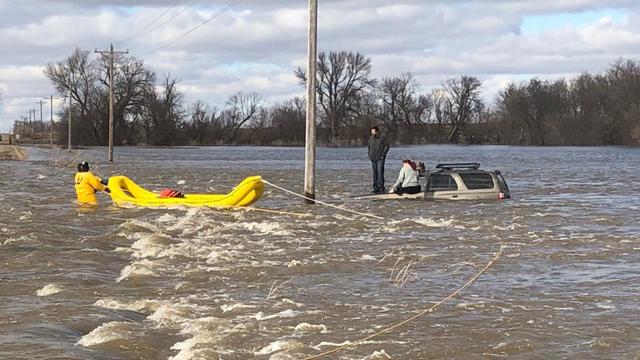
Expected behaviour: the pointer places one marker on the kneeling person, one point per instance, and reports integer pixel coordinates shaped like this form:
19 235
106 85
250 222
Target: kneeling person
407 182
87 185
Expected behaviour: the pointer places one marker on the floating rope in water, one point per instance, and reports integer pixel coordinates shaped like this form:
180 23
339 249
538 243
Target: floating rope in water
421 313
323 203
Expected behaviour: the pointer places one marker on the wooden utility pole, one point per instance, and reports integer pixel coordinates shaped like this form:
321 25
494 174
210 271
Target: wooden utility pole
51 119
69 125
51 122
111 55
40 102
310 142
70 107
33 124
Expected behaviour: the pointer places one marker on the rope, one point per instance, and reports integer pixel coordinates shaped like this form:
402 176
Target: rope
423 312
323 203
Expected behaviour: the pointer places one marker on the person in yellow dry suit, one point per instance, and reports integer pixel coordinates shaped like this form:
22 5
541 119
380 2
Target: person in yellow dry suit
88 184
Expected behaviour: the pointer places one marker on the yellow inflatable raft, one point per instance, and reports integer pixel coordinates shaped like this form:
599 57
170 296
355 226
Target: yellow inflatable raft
126 192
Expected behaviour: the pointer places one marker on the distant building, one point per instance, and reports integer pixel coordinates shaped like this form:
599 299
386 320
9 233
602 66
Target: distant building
7 139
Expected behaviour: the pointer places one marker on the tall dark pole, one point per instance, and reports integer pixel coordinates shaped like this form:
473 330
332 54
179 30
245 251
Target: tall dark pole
310 140
111 58
69 124
51 122
41 122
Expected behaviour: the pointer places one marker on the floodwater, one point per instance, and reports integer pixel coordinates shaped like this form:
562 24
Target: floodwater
130 283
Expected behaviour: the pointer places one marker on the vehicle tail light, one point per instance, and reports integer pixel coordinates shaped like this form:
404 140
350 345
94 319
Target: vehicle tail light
501 196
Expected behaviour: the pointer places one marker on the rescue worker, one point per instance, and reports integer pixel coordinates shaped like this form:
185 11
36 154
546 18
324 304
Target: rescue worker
88 184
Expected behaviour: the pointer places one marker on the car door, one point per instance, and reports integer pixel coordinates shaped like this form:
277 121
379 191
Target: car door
442 186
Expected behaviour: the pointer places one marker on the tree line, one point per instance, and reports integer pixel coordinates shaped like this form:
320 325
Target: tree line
600 109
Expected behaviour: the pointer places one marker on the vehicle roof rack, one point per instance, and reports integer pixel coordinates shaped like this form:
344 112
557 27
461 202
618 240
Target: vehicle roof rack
452 166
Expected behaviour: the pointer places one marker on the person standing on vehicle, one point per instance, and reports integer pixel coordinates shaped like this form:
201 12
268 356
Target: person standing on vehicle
378 148
87 184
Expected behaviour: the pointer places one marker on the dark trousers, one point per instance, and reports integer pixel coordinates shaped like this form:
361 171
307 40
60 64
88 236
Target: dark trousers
378 174
407 190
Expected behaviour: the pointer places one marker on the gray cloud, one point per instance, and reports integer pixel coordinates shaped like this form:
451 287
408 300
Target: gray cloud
257 45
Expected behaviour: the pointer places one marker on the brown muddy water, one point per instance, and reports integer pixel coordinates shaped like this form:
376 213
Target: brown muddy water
127 283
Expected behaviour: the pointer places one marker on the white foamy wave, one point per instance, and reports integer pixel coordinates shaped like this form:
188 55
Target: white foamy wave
151 246
306 328
279 345
48 290
282 314
26 215
433 222
504 228
205 331
332 344
285 355
294 263
41 177
231 307
107 332
138 305
377 355
266 228
367 257
173 315
471 306
212 324
221 256
166 218
606 305
183 222
21 239
138 268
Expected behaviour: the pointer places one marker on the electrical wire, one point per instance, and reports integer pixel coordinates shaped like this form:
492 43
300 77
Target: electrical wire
134 35
148 31
166 43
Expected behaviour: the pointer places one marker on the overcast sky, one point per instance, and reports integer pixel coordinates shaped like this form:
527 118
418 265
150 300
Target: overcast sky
254 45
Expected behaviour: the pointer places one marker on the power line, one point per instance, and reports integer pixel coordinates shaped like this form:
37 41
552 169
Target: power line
166 43
143 33
132 36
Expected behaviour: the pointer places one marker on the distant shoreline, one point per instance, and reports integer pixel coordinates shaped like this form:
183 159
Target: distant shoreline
12 152
341 146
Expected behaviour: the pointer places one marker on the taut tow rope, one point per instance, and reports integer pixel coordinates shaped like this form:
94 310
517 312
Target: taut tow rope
323 203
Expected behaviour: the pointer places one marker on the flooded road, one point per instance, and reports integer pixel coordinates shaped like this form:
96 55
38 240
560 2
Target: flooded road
127 283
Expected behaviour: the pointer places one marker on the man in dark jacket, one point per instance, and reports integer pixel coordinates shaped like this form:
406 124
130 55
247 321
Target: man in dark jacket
378 148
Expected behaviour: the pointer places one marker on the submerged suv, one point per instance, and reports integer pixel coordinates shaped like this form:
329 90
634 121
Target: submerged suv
464 181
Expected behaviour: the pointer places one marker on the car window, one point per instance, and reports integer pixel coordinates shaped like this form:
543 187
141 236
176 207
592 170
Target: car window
475 181
442 182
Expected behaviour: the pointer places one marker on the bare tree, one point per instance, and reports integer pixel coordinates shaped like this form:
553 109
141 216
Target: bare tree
341 78
288 119
240 109
403 109
131 83
76 76
164 113
463 103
